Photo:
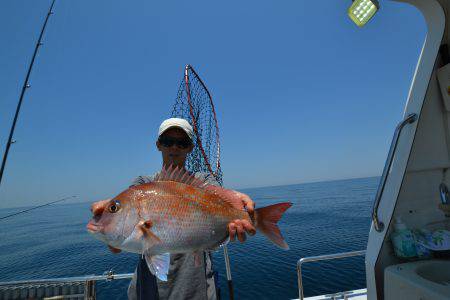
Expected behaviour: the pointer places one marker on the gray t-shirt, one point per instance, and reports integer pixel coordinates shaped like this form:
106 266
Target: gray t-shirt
184 281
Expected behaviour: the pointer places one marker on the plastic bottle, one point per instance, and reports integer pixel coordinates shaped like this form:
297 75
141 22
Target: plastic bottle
403 240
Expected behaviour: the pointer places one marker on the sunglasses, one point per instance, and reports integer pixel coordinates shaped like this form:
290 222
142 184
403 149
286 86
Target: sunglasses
169 142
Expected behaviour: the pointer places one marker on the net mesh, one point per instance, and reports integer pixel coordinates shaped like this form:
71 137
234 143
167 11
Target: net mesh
194 103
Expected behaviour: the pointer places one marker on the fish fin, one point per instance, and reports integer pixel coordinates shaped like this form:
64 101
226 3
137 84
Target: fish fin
150 238
266 221
171 173
114 250
142 234
159 265
197 258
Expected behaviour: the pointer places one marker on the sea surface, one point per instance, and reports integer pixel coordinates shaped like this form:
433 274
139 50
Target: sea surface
327 217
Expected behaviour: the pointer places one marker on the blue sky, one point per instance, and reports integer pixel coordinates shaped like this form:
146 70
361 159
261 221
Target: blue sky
302 94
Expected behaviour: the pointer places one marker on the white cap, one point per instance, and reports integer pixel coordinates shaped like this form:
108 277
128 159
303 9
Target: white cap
176 122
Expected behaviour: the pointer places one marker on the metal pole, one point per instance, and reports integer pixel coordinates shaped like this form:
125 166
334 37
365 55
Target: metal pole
228 268
25 86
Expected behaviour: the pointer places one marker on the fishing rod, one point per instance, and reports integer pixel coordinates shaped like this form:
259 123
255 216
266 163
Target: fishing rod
39 206
25 86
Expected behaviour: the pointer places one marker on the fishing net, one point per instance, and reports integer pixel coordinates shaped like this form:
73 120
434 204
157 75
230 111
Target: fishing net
194 103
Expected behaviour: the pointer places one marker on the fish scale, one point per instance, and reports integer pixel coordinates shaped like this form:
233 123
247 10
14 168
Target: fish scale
192 223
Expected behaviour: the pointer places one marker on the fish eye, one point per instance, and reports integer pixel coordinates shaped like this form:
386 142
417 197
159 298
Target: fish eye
114 206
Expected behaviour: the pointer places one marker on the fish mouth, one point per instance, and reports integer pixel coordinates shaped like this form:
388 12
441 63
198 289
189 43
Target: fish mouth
93 227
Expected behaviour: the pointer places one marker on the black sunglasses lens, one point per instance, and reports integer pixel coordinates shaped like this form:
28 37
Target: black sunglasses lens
184 144
166 142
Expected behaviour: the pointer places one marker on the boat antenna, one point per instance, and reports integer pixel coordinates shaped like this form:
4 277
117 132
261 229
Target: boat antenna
25 86
35 207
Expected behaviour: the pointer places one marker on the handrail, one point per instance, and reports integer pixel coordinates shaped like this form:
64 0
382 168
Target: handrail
108 276
303 260
379 226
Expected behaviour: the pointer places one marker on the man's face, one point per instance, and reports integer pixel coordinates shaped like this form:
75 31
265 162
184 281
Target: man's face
174 145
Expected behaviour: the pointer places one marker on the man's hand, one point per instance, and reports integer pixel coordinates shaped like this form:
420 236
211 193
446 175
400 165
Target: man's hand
240 227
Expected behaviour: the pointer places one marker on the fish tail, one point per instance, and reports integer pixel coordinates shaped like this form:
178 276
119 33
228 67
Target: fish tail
266 222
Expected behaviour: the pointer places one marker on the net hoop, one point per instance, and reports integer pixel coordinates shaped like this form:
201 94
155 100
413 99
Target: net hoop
194 103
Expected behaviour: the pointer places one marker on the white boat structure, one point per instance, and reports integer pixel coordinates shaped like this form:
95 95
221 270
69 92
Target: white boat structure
412 186
413 183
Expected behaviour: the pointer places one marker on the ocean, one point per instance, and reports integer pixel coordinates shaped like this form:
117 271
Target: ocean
326 217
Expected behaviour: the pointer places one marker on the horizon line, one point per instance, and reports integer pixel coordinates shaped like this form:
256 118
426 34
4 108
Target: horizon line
241 189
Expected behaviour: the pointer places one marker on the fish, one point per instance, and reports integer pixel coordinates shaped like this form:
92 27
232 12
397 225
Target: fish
177 213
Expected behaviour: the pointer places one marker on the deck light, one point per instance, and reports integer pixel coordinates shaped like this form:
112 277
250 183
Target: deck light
362 11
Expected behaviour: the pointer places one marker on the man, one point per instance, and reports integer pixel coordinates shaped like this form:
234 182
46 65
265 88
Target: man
184 280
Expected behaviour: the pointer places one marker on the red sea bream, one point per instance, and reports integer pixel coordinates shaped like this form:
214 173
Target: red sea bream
176 213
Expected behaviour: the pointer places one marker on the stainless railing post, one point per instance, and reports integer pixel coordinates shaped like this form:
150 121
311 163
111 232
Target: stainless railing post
379 226
89 290
299 278
303 260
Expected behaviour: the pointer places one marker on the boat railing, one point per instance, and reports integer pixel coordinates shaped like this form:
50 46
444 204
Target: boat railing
304 260
82 287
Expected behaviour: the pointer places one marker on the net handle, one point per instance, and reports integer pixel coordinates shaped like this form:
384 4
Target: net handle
191 111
